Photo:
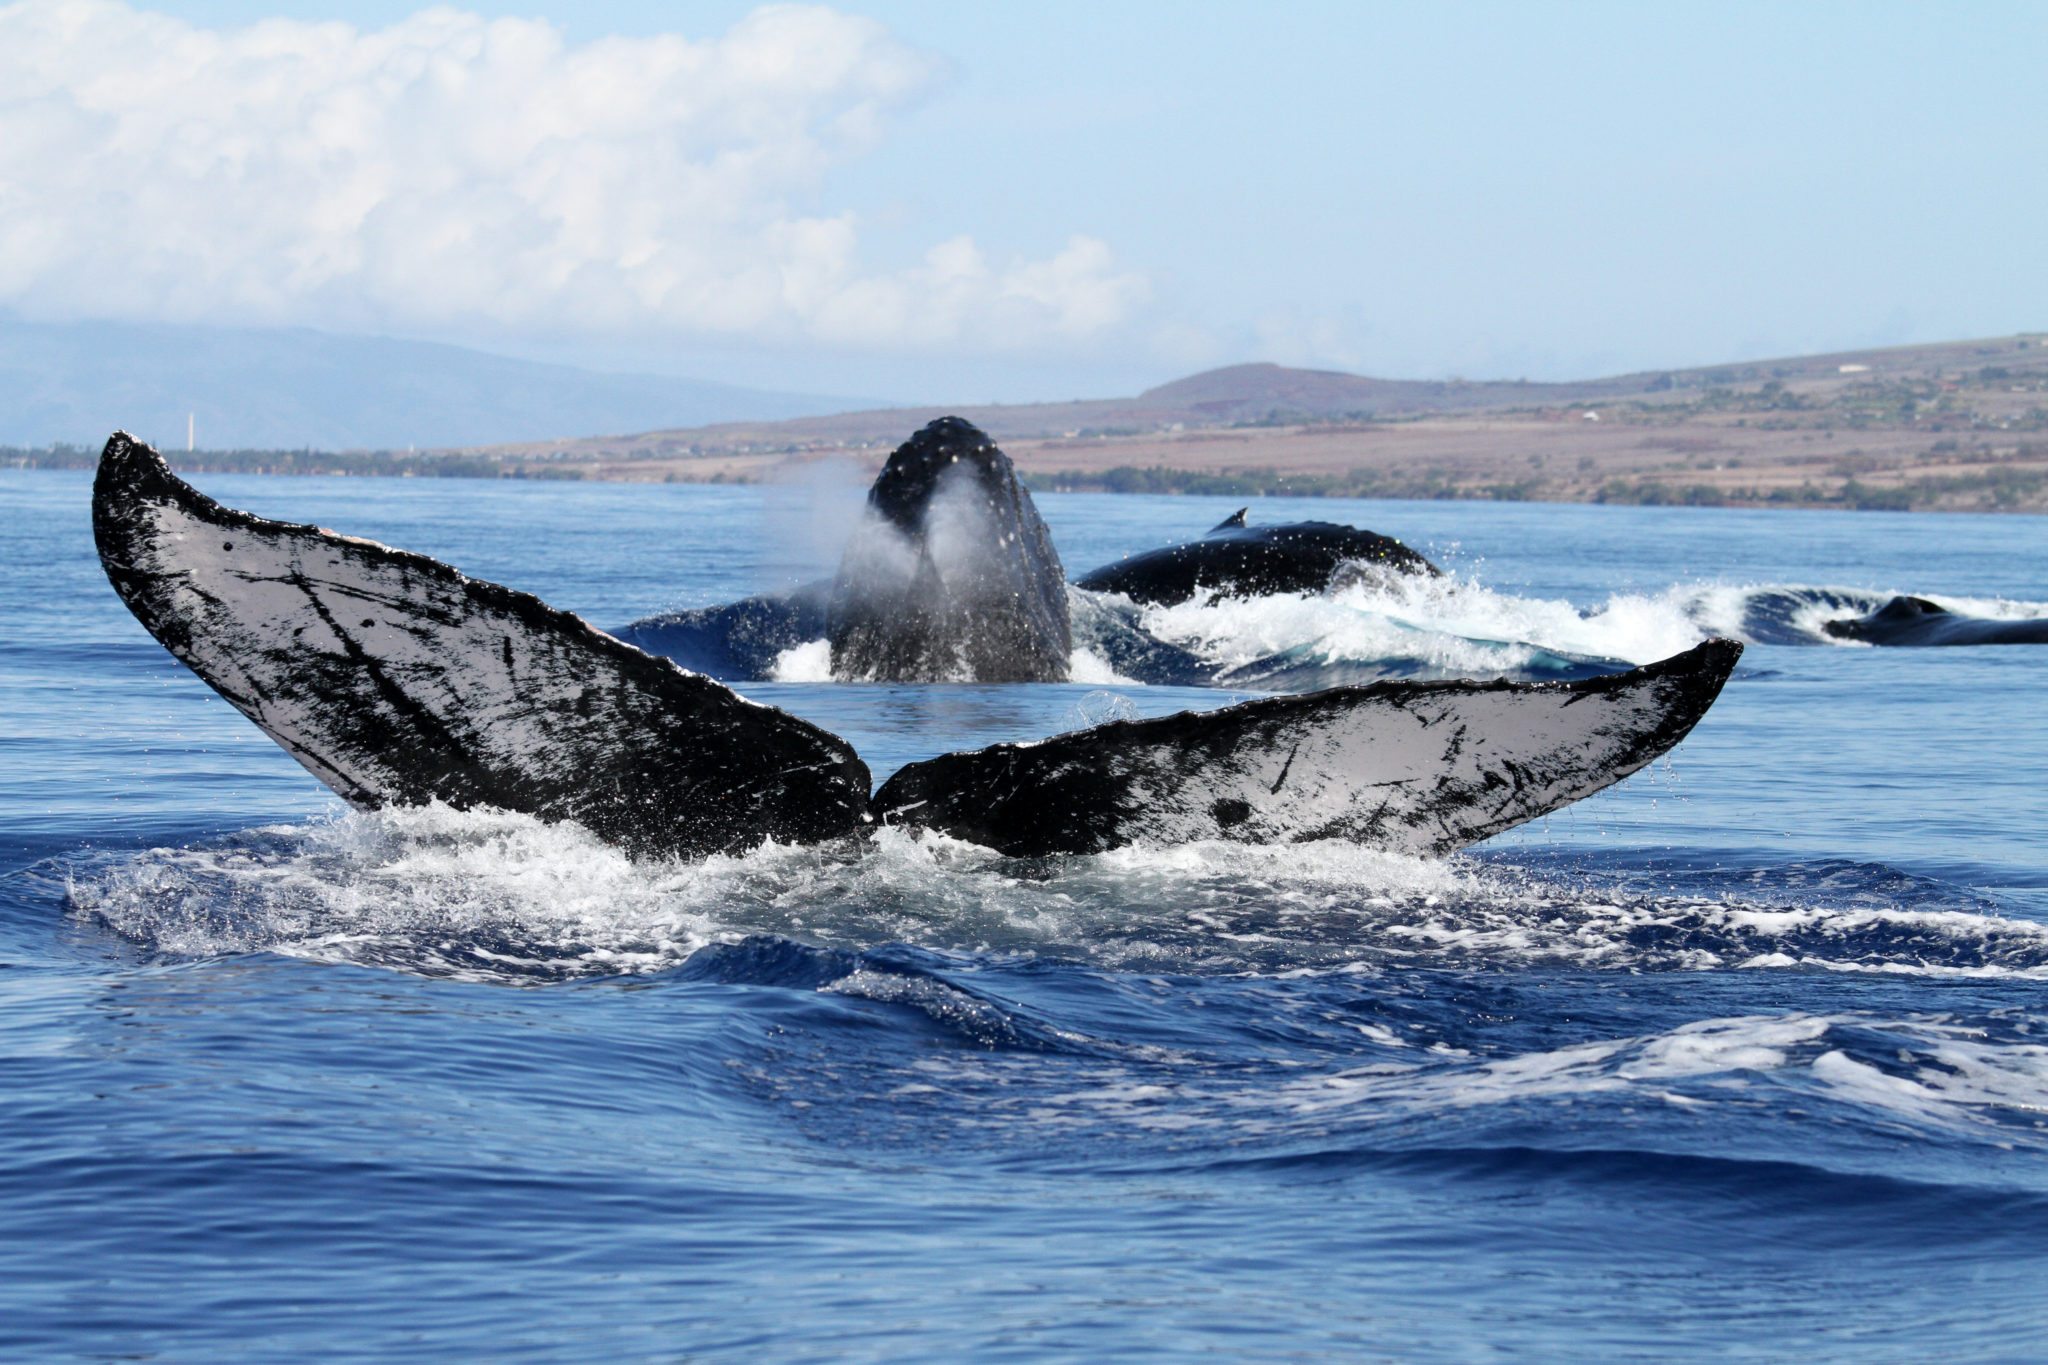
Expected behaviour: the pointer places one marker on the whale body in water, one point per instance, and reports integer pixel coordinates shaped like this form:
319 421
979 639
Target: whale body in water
1238 560
1915 622
951 576
397 680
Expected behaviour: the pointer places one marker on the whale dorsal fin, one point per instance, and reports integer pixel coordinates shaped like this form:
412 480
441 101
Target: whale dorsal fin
1233 522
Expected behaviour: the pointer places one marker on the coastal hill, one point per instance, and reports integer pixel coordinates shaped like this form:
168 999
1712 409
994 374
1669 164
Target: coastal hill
1955 425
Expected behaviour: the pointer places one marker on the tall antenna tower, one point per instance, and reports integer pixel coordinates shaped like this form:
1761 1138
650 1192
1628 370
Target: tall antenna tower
191 419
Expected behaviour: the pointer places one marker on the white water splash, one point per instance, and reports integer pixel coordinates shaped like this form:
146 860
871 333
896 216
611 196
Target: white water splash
1456 626
1453 626
504 897
811 662
805 663
1090 669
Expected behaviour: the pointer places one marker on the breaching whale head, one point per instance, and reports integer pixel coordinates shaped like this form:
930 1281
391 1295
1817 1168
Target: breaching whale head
952 575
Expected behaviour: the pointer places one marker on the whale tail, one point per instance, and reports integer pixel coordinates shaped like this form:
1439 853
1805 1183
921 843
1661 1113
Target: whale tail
396 680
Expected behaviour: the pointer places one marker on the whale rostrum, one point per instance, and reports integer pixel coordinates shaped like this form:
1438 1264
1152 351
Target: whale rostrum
951 575
396 680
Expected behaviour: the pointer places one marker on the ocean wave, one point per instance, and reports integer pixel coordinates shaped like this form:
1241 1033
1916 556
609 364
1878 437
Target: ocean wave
1919 1074
1388 625
495 896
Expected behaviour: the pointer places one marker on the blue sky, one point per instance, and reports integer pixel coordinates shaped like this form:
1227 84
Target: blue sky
1143 190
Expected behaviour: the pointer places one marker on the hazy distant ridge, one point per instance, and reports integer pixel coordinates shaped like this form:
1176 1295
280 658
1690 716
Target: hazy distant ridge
291 388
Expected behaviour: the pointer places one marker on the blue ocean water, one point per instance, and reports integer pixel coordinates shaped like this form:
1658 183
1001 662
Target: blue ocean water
1747 1056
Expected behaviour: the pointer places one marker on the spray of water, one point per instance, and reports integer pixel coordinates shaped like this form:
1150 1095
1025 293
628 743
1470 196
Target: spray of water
504 897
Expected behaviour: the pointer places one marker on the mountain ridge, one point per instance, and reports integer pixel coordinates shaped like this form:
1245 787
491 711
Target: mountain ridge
290 388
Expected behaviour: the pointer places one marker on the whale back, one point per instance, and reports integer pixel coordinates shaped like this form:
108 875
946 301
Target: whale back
1236 560
951 575
1915 622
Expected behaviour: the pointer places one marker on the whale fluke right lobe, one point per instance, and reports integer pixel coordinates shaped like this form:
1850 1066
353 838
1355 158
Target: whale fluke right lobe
1422 768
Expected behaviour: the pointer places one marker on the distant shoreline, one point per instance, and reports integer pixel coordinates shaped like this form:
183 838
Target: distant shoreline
2021 491
1945 427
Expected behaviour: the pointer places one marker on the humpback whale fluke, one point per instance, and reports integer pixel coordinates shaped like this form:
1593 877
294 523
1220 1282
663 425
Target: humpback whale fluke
396 681
952 576
1238 560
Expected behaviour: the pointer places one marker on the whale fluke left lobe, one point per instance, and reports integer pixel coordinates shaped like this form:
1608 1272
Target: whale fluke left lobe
396 681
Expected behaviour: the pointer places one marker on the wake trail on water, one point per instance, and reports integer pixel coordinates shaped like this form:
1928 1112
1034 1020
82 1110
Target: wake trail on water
1381 625
499 897
1972 1088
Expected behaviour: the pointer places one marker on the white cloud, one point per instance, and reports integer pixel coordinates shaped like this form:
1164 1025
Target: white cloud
1314 339
450 171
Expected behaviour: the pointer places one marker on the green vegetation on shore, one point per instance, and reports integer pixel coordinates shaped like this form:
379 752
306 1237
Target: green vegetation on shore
1991 490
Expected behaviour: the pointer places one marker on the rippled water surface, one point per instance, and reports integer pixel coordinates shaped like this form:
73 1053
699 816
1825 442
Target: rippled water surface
1747 1056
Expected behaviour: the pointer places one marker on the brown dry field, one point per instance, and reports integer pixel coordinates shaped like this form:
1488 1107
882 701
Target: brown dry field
1560 457
1958 426
1579 456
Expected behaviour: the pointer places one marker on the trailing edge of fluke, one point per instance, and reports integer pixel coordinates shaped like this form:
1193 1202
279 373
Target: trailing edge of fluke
396 680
